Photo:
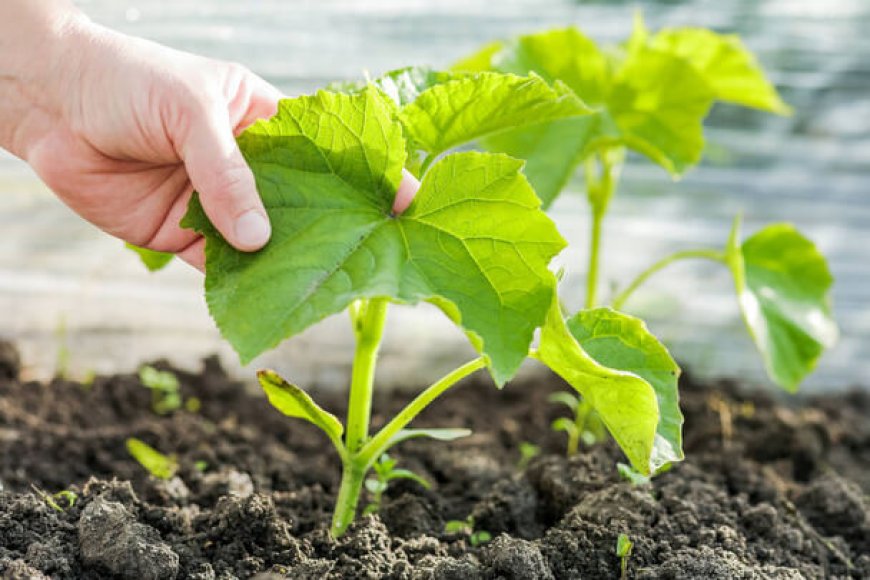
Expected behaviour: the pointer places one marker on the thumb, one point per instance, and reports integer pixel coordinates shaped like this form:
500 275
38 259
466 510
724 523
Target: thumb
224 181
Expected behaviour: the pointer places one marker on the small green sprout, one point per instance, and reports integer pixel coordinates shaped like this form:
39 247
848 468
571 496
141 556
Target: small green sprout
466 526
385 472
586 426
157 464
623 552
528 451
67 496
165 389
201 465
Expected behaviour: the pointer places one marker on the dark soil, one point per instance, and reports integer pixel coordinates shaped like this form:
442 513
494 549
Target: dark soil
767 491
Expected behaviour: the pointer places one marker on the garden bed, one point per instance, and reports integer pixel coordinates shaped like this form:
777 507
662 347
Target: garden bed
769 489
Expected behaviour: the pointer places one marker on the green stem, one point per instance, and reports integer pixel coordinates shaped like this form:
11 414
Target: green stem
352 477
706 254
381 440
602 175
370 330
594 251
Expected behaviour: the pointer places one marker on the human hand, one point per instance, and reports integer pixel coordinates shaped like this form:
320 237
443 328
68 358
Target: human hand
123 130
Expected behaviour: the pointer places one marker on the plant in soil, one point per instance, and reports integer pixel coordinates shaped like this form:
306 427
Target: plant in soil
474 243
385 472
623 552
467 527
650 95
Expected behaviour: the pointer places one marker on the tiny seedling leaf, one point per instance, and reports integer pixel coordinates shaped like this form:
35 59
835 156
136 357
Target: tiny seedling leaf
408 474
294 402
473 106
625 402
726 64
157 464
474 241
563 424
565 398
623 546
783 286
623 342
151 259
630 475
438 434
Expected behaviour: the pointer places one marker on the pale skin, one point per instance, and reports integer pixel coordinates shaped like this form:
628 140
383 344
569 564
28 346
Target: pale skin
123 130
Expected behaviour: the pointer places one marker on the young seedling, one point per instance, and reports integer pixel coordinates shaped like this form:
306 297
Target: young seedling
385 472
157 464
65 496
651 95
165 391
623 552
585 425
528 451
466 527
474 243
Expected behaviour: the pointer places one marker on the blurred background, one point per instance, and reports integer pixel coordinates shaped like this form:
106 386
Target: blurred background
73 297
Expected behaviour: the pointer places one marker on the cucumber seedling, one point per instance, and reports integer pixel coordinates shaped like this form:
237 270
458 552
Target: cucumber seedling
157 464
466 527
474 243
651 95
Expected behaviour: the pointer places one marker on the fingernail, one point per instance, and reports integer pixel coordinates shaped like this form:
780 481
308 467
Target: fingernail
252 230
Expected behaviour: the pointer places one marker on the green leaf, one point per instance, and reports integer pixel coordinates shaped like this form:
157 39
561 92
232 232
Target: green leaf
404 85
659 103
151 259
474 106
726 64
294 402
157 464
783 286
625 402
481 60
622 342
552 151
437 434
473 242
566 399
564 55
627 473
563 424
623 546
408 474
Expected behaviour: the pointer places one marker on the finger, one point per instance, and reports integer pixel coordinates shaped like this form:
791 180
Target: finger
262 102
406 192
224 181
194 254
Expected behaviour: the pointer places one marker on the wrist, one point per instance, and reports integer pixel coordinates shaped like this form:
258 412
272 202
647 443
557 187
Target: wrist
37 56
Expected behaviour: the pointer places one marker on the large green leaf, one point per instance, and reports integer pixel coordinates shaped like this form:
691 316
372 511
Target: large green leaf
474 241
625 402
783 286
294 402
726 64
659 102
552 151
623 342
564 55
473 106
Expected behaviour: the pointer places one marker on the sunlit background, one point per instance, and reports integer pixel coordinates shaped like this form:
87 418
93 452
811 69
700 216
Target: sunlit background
71 296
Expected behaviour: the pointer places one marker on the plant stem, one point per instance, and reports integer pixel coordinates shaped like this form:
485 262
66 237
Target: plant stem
371 316
352 477
380 441
706 254
594 250
602 175
426 163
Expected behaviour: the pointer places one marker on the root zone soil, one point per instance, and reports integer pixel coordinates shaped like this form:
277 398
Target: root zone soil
768 490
